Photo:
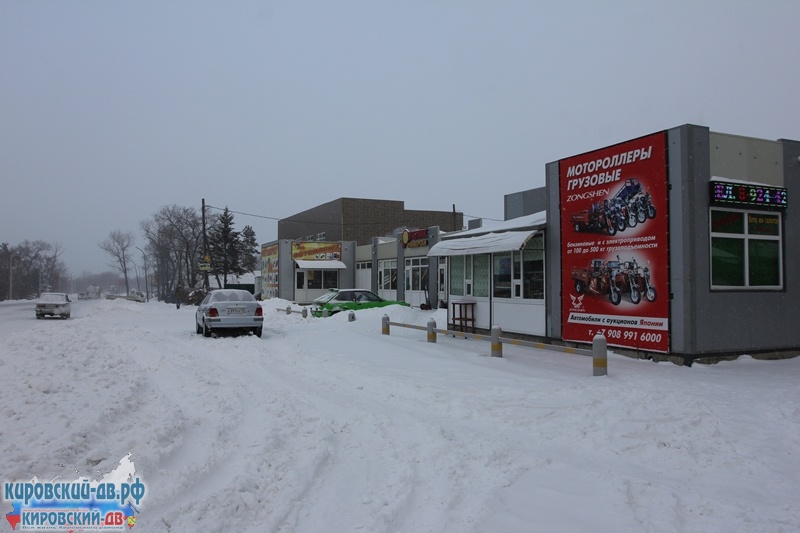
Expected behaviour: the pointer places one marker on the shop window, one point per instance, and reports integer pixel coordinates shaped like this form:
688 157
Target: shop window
457 275
746 249
387 274
480 275
330 279
503 270
533 274
314 279
416 273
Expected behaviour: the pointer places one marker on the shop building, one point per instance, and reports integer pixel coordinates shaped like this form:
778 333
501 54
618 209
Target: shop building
678 243
721 262
399 268
496 275
361 219
318 250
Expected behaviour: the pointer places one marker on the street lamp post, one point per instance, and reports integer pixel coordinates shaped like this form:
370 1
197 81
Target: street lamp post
146 288
138 288
10 274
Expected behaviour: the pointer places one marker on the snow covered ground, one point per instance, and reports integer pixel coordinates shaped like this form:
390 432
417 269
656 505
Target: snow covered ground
327 425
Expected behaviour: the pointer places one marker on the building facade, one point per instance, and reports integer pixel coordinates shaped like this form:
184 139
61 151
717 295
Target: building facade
361 219
678 243
723 260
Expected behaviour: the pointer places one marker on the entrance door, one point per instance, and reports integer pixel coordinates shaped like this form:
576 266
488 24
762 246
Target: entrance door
300 291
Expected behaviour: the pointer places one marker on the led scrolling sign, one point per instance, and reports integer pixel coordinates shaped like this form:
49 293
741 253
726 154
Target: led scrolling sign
744 194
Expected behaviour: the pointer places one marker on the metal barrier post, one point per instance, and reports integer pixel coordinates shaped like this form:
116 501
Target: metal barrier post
351 316
304 312
600 355
325 313
288 309
385 324
431 330
497 346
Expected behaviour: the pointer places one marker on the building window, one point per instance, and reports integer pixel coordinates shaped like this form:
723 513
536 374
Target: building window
323 279
321 236
387 275
532 263
363 265
457 275
520 274
503 269
746 249
480 275
416 273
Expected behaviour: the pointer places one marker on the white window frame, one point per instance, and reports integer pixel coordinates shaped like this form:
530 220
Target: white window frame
746 238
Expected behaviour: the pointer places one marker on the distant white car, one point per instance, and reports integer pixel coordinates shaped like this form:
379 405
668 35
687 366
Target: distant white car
53 304
136 296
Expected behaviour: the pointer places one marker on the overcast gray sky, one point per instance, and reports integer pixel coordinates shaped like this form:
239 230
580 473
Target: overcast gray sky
111 109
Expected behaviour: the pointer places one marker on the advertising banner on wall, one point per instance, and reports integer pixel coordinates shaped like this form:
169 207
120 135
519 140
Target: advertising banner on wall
269 271
615 250
321 251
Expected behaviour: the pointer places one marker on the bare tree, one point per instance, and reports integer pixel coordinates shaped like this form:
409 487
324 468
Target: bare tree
175 247
118 246
37 268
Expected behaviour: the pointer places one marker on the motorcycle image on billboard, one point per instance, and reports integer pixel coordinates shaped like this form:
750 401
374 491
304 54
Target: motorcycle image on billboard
615 277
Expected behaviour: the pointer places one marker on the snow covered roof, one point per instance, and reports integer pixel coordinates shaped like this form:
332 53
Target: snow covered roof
534 221
482 244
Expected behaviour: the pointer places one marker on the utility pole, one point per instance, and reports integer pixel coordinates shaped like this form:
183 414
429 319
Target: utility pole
206 258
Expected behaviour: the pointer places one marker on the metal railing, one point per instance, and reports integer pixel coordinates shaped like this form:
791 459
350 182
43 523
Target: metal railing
599 351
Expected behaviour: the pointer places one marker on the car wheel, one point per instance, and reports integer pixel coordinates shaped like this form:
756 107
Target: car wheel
206 330
197 328
38 317
257 332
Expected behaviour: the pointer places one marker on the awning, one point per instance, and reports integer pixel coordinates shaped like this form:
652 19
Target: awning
319 265
482 244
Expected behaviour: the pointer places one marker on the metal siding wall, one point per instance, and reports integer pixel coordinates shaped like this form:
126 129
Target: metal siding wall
742 321
285 270
687 148
347 276
744 158
552 243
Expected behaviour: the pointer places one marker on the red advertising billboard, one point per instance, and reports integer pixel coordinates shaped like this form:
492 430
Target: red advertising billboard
269 271
614 247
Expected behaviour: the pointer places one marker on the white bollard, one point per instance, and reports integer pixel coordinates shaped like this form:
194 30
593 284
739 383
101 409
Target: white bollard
600 355
385 324
497 346
431 330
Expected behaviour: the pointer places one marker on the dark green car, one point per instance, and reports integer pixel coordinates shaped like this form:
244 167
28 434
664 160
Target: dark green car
349 300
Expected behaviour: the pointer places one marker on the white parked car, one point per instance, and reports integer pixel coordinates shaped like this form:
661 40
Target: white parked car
53 304
231 310
136 296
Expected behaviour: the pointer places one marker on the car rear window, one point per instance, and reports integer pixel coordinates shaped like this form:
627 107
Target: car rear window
50 298
233 296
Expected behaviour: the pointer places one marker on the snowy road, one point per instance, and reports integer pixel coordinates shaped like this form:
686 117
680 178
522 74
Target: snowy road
327 425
